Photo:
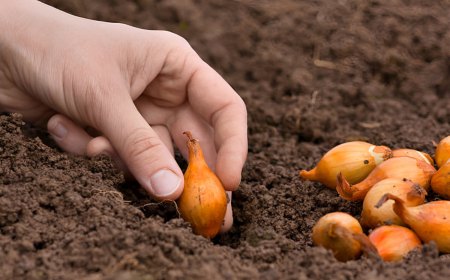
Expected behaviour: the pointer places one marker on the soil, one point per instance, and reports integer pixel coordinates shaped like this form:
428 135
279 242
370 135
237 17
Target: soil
312 73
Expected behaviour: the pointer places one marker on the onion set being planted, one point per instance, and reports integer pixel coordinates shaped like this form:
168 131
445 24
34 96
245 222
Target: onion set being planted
203 202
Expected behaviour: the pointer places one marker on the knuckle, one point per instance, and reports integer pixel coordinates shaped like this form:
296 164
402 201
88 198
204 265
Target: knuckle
240 104
100 102
178 46
140 142
176 39
95 99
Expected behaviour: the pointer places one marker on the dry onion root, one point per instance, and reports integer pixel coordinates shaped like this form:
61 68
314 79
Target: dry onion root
430 221
415 170
394 242
407 190
203 202
353 159
343 235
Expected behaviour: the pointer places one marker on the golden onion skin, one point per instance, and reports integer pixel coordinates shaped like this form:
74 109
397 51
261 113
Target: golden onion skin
414 154
442 154
410 192
203 202
394 242
430 221
415 170
354 159
334 231
440 182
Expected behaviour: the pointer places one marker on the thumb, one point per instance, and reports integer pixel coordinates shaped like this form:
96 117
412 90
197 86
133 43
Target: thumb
141 149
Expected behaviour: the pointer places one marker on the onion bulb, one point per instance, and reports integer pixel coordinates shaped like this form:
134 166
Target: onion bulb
442 154
415 170
414 154
355 160
203 202
343 235
394 242
440 182
408 191
430 221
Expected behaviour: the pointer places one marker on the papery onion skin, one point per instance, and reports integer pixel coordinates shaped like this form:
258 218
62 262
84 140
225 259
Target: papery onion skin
442 154
414 154
203 202
354 159
440 182
415 170
343 235
394 242
407 190
430 221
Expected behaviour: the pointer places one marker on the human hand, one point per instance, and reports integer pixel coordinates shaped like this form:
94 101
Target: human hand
139 89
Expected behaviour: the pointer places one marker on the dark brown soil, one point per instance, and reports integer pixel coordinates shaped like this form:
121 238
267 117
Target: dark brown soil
313 74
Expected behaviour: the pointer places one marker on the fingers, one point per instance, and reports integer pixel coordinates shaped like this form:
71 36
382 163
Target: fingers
225 111
74 139
187 120
142 150
164 135
179 121
68 135
101 146
228 220
213 100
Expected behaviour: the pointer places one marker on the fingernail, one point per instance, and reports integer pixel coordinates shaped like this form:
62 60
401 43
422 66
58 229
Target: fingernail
59 131
164 183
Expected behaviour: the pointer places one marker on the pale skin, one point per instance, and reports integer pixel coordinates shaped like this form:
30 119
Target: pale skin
138 90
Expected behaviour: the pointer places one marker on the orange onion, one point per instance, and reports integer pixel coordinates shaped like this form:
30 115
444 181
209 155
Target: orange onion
414 154
355 160
203 202
440 182
342 234
407 190
394 242
430 221
415 170
442 154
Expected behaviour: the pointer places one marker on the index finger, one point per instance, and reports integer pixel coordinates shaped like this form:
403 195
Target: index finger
216 101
